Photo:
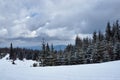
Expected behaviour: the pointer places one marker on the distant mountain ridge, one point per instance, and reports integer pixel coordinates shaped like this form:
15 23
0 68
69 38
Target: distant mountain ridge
56 47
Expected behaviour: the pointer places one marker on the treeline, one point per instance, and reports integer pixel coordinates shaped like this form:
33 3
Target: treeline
102 47
20 53
3 52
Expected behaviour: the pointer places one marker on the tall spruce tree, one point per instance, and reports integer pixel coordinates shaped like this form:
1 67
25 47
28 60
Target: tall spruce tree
100 36
117 32
94 37
78 42
12 54
43 48
108 32
11 51
52 48
43 53
47 50
47 47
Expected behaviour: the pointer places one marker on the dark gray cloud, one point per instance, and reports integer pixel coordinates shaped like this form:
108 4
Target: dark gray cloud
26 22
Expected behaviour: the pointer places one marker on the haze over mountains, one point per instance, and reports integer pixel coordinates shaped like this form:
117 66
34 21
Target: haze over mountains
56 47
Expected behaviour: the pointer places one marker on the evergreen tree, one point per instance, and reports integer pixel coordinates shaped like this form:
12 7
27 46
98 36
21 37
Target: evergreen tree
35 56
117 32
113 33
108 53
11 52
68 47
117 50
94 37
43 53
100 36
52 48
43 49
89 54
108 32
47 48
99 48
21 56
78 42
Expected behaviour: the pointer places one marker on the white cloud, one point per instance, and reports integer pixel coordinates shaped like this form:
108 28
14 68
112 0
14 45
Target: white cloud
32 34
61 19
3 32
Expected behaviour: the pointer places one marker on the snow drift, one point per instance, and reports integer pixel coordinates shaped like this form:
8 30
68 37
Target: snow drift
23 71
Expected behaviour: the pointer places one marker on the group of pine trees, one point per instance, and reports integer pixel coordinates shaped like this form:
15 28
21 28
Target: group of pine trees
102 47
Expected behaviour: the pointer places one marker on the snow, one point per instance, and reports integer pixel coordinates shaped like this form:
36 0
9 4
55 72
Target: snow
23 71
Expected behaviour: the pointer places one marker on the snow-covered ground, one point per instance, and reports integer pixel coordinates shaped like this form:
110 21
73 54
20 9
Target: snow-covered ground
23 71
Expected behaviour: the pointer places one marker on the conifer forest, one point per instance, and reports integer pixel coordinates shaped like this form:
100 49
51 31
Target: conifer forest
102 47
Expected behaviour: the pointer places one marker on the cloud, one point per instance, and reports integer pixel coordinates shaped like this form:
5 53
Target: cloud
3 32
28 21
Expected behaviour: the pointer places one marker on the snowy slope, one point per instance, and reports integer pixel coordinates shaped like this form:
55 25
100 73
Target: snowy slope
23 71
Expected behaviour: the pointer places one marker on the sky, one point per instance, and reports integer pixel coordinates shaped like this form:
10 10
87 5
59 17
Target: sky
27 22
